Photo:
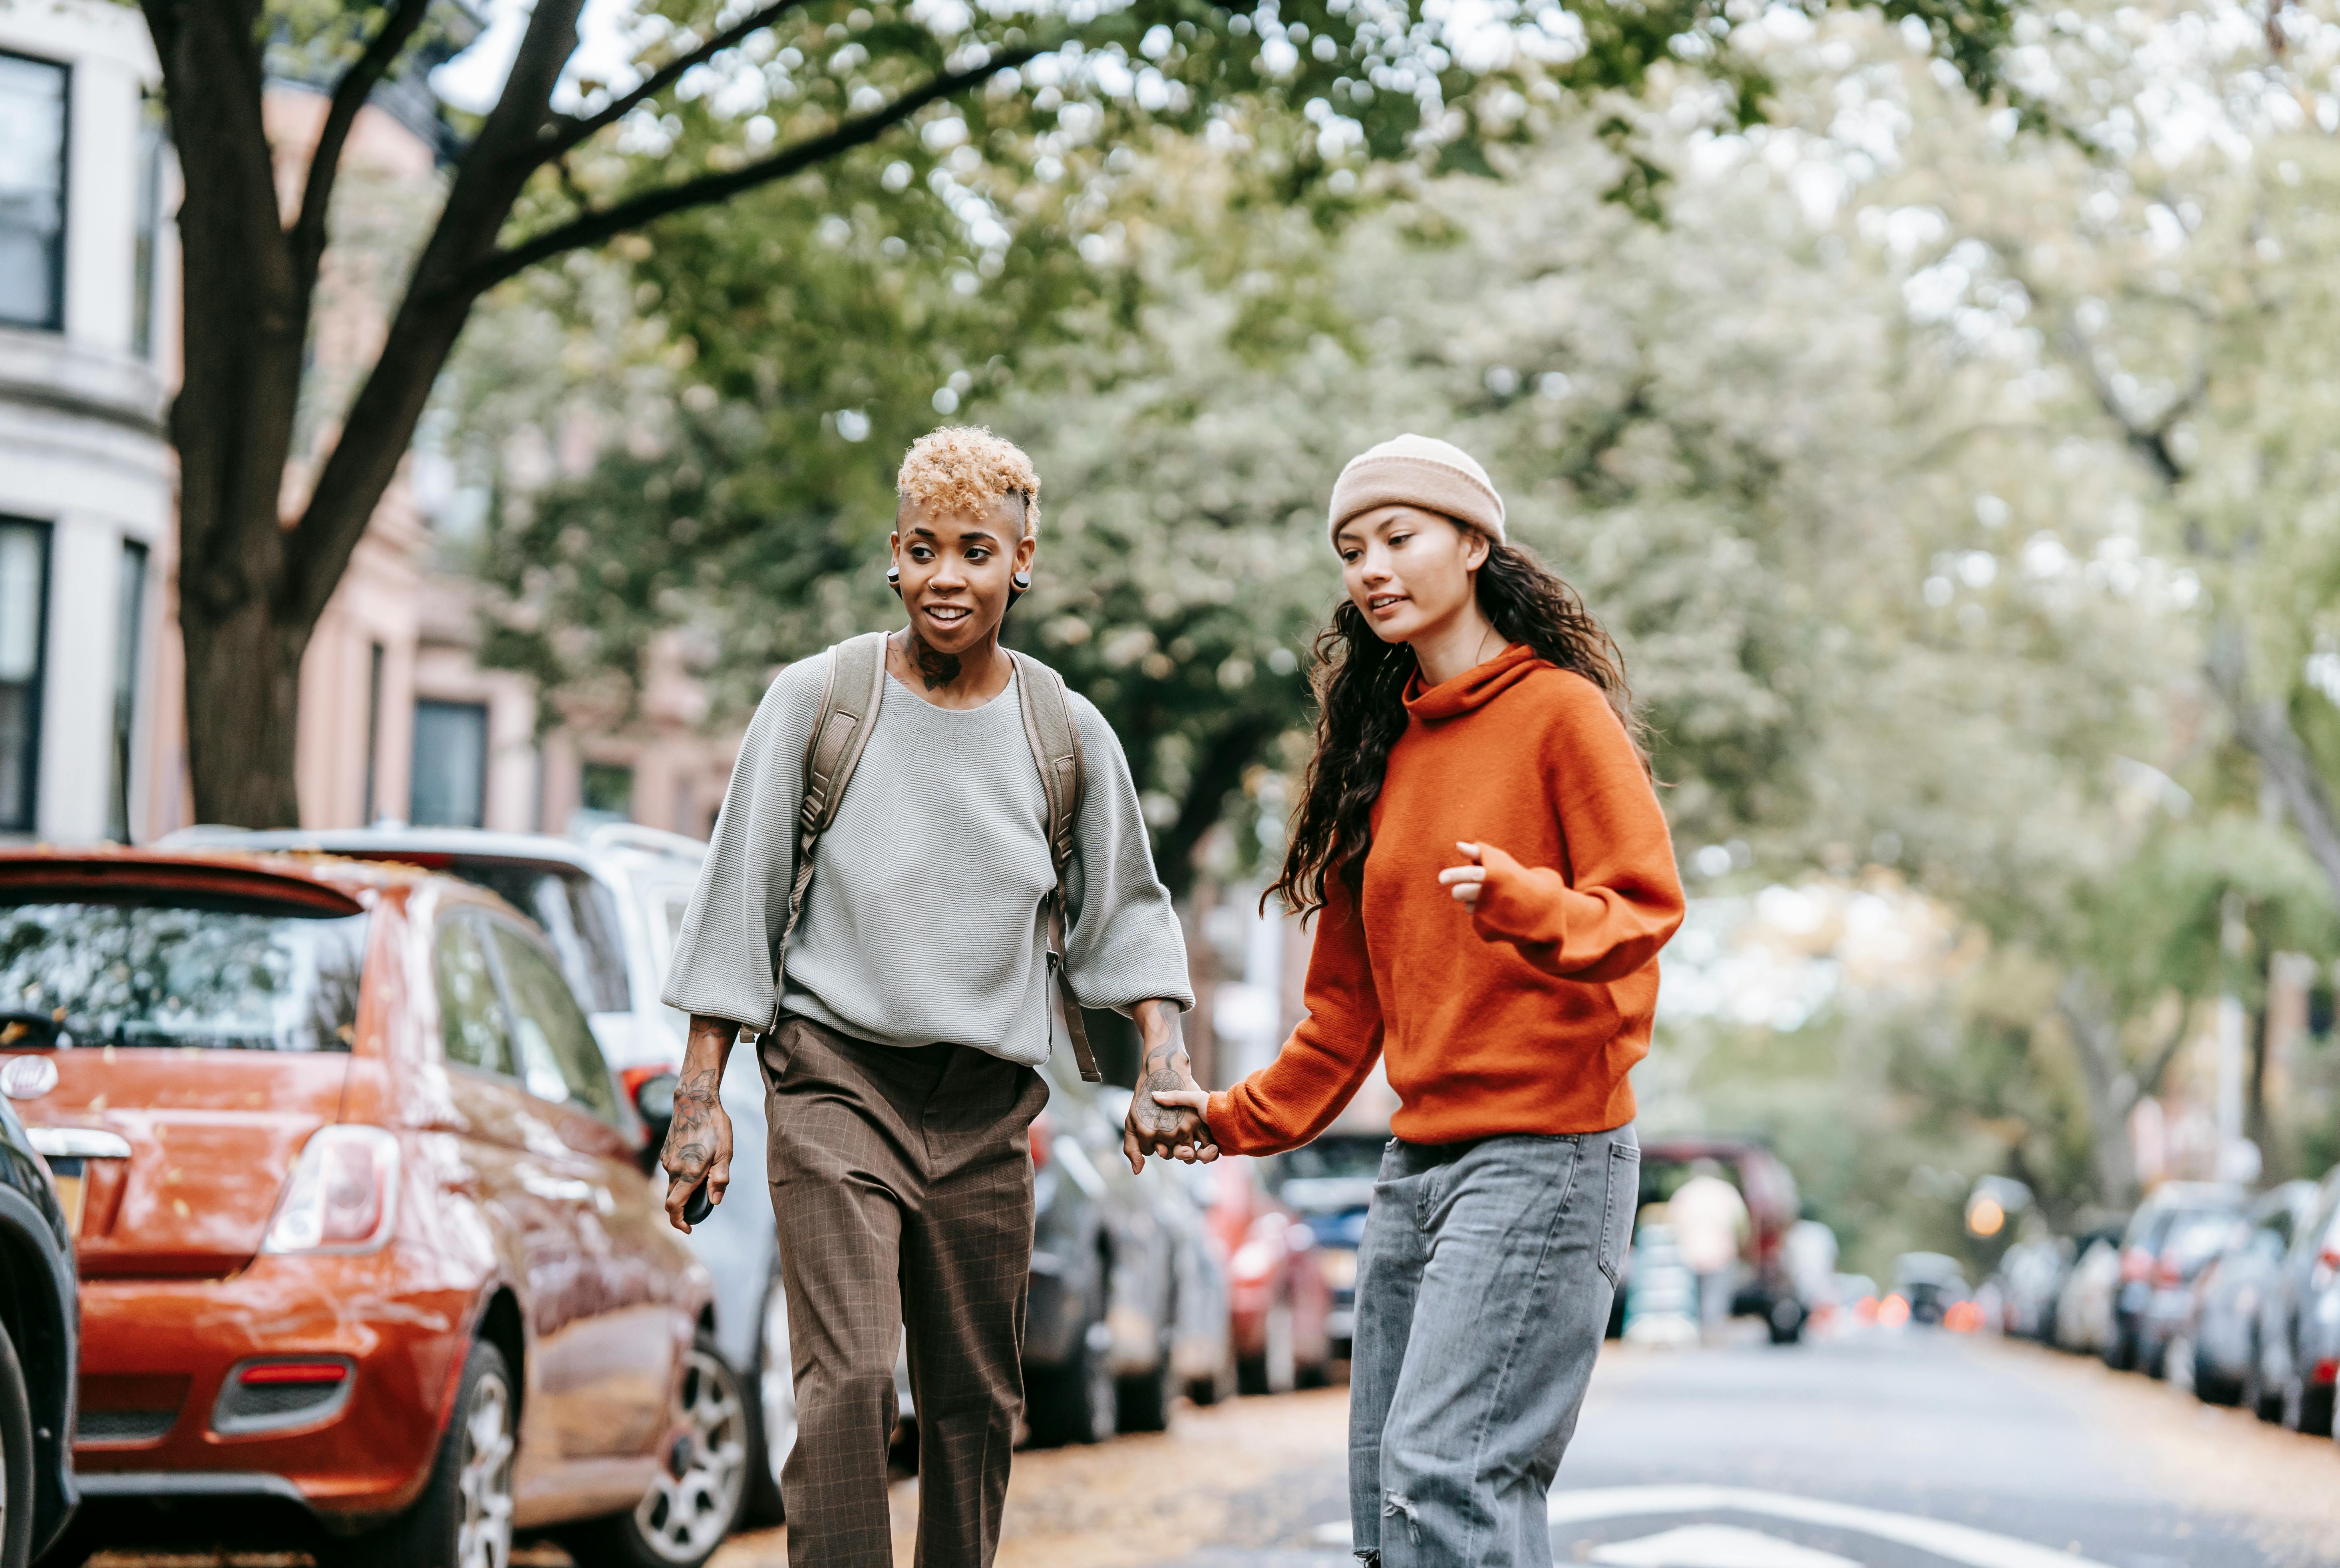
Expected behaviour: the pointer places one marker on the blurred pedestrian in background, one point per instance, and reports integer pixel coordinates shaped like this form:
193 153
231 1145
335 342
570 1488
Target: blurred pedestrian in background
893 943
1492 880
1708 1217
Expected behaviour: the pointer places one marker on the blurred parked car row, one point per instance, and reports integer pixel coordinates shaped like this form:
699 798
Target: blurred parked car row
329 1218
2231 1295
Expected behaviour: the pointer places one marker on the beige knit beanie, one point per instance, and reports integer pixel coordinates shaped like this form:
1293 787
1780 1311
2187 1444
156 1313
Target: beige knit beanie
1418 470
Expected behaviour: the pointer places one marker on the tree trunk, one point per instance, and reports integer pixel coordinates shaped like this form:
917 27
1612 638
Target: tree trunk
2111 1089
246 666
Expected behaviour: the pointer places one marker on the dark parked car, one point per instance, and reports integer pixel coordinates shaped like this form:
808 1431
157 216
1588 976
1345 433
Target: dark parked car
1101 1329
40 1319
2178 1228
2299 1323
1932 1285
1766 1285
2216 1350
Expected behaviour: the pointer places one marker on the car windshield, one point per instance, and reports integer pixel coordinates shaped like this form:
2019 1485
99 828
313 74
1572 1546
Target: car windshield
177 971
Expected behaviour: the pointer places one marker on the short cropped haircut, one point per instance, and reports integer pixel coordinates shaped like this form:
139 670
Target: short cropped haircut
968 467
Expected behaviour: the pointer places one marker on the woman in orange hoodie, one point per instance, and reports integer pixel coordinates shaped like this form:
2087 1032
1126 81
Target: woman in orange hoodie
1492 879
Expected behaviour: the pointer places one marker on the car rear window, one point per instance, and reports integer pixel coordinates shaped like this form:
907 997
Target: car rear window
173 969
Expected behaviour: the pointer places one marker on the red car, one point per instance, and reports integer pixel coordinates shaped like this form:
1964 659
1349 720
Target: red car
362 1220
1279 1304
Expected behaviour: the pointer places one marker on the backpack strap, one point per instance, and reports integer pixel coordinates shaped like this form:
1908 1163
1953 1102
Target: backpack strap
1056 742
855 684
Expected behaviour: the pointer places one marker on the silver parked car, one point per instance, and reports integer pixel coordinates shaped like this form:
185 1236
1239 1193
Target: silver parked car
612 904
2216 1350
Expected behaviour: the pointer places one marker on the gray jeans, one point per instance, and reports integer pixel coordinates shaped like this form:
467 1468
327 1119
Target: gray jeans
1484 1285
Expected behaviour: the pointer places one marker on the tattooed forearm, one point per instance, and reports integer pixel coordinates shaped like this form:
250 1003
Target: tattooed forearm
1164 1064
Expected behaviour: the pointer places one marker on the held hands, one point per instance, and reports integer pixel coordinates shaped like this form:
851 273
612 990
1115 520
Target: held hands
1166 1112
1465 881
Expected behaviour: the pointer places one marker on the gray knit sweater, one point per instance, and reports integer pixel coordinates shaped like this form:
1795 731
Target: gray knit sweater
926 919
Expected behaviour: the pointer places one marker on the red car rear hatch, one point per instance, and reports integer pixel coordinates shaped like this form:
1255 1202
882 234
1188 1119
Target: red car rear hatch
200 1013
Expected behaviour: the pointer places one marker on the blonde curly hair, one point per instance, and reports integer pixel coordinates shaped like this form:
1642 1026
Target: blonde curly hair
966 467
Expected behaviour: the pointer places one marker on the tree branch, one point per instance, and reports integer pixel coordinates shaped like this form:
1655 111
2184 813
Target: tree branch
2264 730
595 227
575 128
2151 442
350 95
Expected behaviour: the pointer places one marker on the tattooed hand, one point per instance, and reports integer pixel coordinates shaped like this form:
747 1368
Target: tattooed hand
1154 1126
699 1140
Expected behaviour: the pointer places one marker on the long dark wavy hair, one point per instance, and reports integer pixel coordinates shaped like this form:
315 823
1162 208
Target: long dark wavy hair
1360 683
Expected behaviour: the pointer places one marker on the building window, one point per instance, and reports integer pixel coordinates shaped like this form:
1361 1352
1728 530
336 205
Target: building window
451 765
608 791
152 141
129 614
24 633
32 192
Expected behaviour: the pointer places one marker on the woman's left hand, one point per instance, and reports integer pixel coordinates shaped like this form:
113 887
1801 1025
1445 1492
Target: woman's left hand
1464 881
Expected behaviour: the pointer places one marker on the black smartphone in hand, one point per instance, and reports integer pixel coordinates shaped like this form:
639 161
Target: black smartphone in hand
699 1204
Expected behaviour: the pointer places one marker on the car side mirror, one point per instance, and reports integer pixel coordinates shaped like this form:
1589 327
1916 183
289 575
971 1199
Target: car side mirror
654 1102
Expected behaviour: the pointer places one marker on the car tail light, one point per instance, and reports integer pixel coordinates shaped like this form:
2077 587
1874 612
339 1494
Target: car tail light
2167 1273
636 1077
2324 1372
2135 1264
342 1196
1042 1134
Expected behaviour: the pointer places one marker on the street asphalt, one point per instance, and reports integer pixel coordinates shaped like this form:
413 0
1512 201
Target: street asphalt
1913 1449
1872 1448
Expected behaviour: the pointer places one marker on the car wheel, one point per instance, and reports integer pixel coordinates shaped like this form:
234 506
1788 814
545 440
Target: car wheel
2305 1408
15 1459
1078 1401
1220 1385
1272 1370
1143 1402
702 1483
2257 1399
2178 1368
464 1517
772 1413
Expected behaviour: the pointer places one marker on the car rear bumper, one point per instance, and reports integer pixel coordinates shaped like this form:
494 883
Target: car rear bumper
156 1354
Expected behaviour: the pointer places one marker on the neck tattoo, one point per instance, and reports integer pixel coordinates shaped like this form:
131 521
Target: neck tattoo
934 668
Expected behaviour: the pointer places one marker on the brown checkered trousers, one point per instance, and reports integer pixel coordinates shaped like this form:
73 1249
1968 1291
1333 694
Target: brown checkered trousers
902 1183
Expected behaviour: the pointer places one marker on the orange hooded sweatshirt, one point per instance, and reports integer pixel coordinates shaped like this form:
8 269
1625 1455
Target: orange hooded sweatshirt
1525 1015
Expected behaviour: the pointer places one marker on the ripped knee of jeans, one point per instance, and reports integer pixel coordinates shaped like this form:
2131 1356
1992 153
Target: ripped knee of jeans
1393 1506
